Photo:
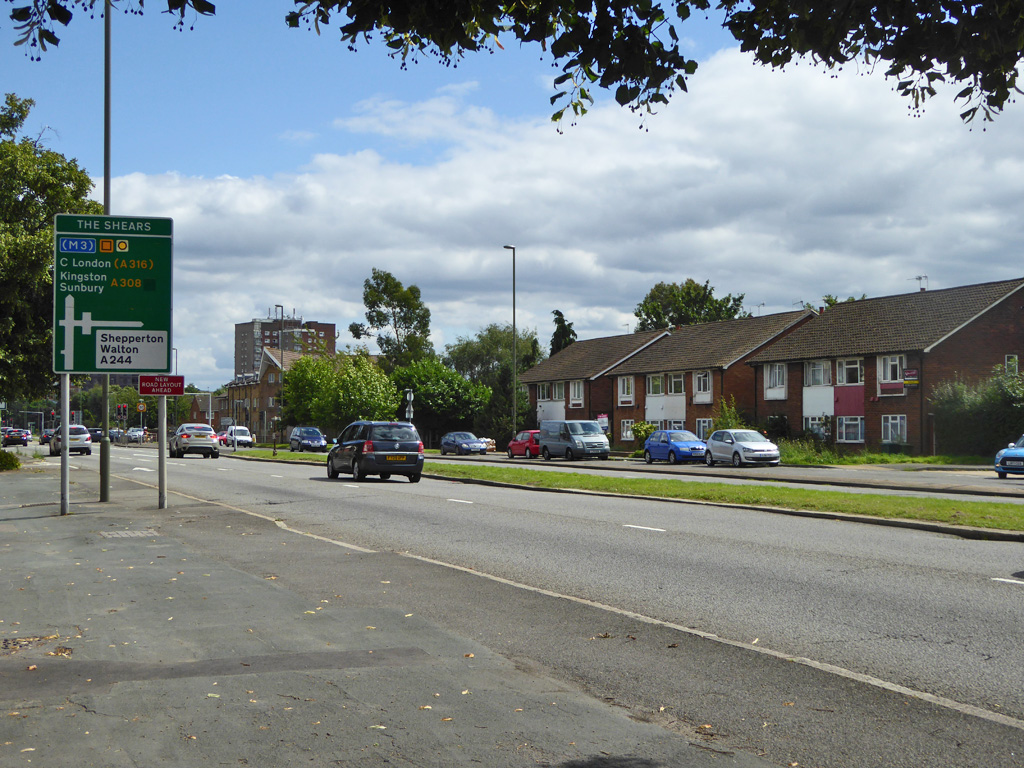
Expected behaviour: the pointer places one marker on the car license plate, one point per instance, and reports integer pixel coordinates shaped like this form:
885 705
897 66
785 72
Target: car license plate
396 458
1015 463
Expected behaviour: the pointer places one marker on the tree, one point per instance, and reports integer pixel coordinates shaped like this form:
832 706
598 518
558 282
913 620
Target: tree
397 318
668 305
443 399
633 46
487 359
830 300
564 334
35 184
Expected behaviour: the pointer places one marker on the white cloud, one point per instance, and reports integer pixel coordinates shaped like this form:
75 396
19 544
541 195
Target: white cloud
780 186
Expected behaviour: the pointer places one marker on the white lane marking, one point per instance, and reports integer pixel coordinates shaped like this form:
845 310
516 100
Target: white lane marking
142 469
277 475
1010 581
223 469
351 485
644 528
459 501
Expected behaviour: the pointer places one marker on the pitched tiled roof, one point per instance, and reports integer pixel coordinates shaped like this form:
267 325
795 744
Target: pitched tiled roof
907 322
590 358
709 345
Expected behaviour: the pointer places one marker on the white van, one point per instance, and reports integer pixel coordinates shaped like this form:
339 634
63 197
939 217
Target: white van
240 437
572 439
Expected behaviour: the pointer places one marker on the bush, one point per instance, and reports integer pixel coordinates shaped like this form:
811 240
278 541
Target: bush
9 460
980 418
642 430
807 450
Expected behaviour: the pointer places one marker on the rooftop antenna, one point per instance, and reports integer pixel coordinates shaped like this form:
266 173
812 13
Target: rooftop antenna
919 278
759 308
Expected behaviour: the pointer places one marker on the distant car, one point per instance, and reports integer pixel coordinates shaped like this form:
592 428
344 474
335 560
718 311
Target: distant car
194 438
96 434
1010 460
673 446
136 435
116 434
739 447
383 448
307 439
44 436
240 436
524 444
79 440
222 437
462 443
16 437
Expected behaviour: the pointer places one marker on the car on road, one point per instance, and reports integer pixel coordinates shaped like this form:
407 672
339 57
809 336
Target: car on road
194 438
1010 460
673 446
739 447
240 437
382 448
44 436
525 444
116 434
96 434
307 439
79 440
16 437
461 443
136 435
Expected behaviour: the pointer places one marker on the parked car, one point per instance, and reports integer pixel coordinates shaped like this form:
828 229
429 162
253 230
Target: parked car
136 435
462 443
16 437
739 447
673 446
574 439
383 448
525 444
307 439
44 436
1010 460
194 438
79 440
222 437
240 437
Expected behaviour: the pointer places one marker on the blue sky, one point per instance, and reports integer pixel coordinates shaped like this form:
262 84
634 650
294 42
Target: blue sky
292 166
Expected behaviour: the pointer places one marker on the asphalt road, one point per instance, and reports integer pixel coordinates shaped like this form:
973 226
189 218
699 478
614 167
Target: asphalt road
912 611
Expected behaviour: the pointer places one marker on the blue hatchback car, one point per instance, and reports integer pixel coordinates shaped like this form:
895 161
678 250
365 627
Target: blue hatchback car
462 442
1010 460
673 446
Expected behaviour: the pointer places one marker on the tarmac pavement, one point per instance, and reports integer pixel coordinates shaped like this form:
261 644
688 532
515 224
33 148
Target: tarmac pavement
126 644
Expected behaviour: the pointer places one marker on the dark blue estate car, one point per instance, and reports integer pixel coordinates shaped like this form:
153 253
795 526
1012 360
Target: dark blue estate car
1010 460
673 446
383 448
462 442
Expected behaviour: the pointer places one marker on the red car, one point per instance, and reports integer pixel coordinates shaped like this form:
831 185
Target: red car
524 444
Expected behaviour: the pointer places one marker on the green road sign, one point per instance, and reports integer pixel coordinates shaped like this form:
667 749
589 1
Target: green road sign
111 294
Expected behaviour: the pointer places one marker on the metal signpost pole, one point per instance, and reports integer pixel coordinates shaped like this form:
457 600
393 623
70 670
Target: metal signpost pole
65 410
162 450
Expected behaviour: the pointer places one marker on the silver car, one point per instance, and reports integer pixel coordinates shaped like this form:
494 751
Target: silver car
194 438
739 447
79 440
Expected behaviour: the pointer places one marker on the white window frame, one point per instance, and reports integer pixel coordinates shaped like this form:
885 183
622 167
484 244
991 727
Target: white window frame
823 369
815 424
625 390
704 427
843 422
843 368
894 428
890 364
576 393
626 429
543 391
1010 365
655 385
558 391
777 375
671 424
676 384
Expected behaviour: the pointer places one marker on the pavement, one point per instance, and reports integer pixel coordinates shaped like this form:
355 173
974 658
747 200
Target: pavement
134 636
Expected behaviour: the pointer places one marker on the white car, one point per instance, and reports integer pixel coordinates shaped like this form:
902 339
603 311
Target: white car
79 440
136 435
194 438
739 447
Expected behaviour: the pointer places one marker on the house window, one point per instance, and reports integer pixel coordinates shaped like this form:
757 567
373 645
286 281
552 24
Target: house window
816 425
558 391
576 394
850 429
270 378
626 391
270 402
704 428
702 382
544 391
891 368
776 376
850 371
626 429
1010 366
894 429
817 373
673 424
675 384
656 385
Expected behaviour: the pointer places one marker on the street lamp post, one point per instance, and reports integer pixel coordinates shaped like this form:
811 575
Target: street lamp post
515 364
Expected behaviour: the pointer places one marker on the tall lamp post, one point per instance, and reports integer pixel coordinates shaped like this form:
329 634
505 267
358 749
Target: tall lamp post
515 364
